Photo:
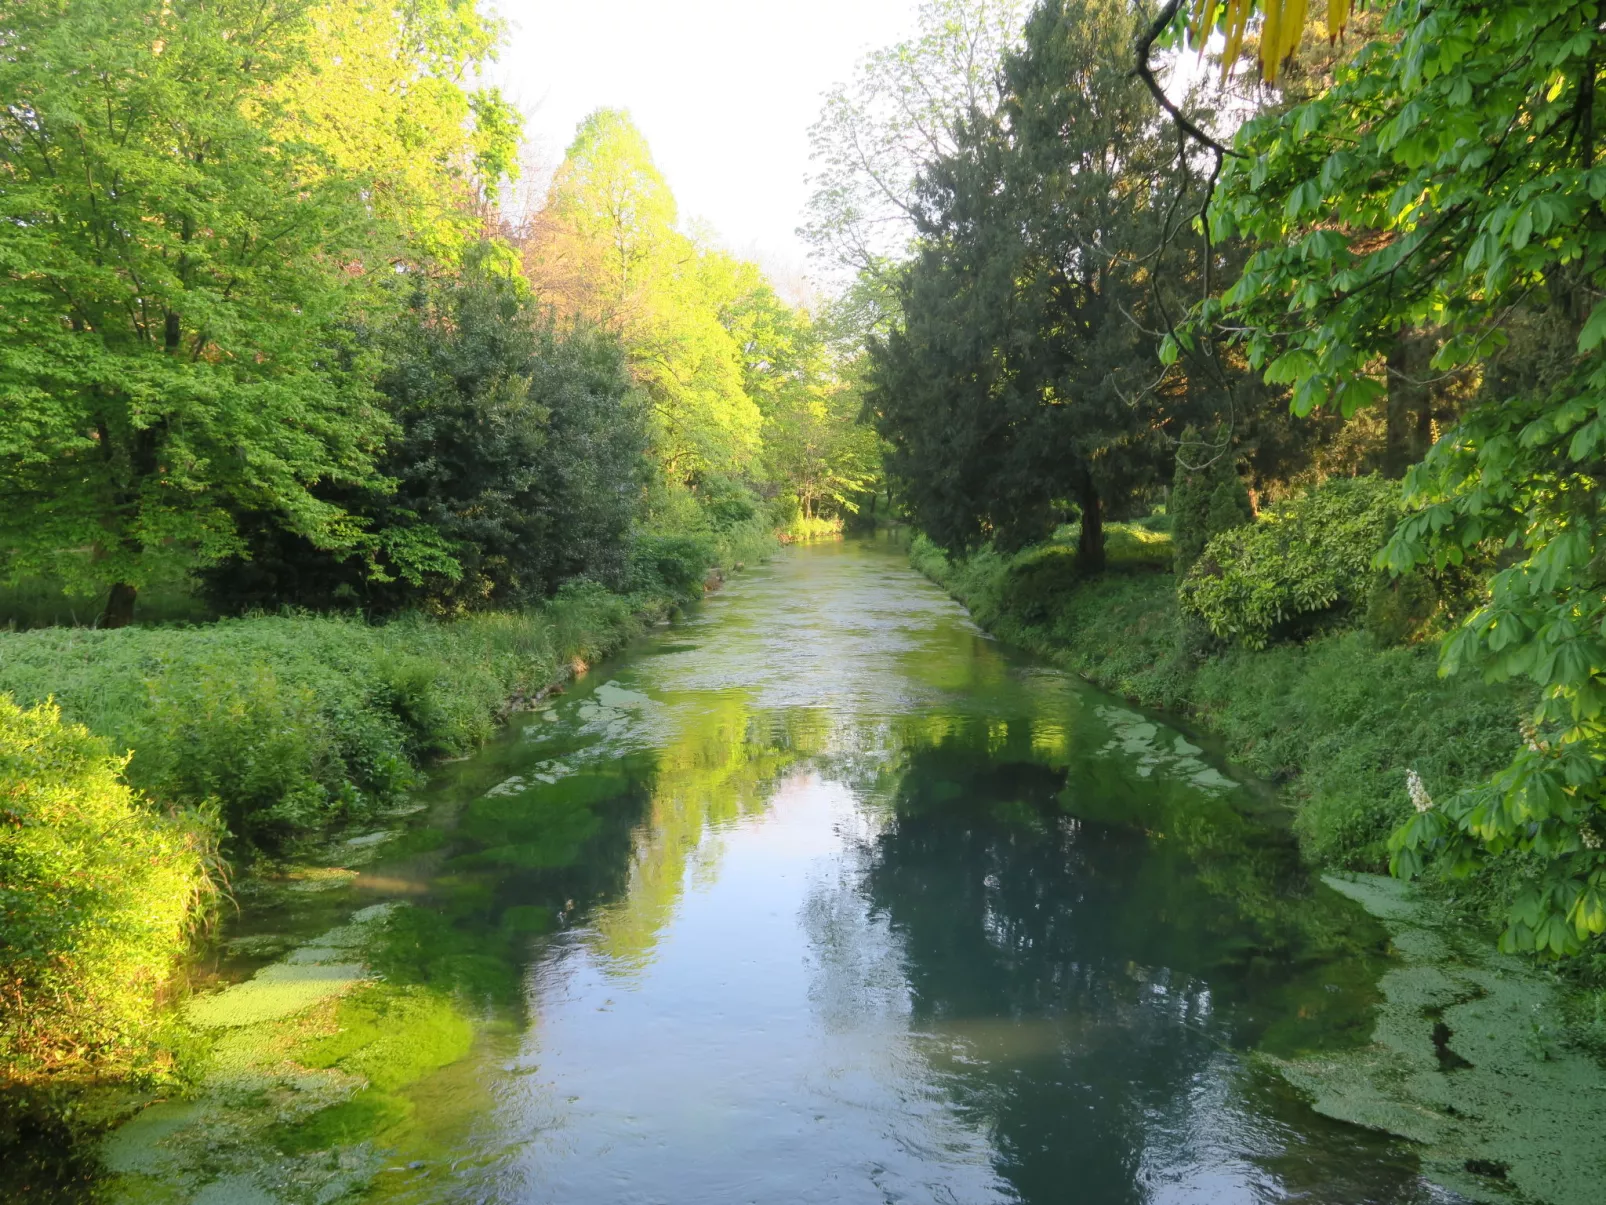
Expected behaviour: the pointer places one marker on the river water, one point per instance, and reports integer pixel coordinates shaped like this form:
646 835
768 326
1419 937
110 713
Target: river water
822 895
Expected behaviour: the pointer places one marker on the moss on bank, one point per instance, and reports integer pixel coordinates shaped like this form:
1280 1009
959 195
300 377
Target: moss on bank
306 1094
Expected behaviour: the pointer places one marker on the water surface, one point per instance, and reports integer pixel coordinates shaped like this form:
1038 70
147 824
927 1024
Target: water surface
848 903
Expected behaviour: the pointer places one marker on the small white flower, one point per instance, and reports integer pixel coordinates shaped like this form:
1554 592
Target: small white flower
1588 835
1418 793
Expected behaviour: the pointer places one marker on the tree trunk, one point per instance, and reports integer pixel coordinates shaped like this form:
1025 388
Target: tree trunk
1410 402
1090 541
119 612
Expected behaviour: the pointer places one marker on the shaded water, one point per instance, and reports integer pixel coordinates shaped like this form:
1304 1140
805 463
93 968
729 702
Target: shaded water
823 895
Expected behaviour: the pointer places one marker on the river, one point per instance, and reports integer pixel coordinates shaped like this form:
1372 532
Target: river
823 895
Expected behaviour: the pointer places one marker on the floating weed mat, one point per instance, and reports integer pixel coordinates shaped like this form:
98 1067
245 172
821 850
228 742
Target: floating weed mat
1466 1061
304 1097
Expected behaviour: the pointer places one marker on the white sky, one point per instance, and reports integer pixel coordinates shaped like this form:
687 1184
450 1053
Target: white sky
724 90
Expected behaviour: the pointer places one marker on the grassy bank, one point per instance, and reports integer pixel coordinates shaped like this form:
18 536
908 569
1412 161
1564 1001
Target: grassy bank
1334 719
285 724
130 757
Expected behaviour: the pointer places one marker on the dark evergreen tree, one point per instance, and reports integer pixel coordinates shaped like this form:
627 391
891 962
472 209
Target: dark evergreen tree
516 462
1020 387
1207 495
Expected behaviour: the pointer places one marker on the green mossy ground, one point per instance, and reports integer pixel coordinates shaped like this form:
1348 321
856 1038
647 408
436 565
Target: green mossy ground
289 724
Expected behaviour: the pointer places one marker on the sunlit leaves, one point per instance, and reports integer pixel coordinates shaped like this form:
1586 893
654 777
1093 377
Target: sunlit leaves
1282 27
1445 182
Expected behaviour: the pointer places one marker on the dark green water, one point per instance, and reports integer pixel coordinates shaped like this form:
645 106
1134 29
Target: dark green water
824 896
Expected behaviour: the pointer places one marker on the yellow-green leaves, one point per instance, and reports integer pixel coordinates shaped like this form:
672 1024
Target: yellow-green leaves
1282 28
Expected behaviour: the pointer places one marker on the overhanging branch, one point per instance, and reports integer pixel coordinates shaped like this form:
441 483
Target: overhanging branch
1145 71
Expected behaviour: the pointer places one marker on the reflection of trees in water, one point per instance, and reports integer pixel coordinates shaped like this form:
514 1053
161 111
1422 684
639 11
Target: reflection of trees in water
1078 985
719 765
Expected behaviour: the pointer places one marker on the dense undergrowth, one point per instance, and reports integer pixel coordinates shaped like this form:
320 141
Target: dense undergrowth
1334 718
98 894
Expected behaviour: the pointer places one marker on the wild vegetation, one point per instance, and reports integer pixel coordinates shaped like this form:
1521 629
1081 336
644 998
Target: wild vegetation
1282 403
281 356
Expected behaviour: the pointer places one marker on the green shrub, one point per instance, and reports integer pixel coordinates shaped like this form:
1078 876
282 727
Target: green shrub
1399 609
673 565
99 892
1310 555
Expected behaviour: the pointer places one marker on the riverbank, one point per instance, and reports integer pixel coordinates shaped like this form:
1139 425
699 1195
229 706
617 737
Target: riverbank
1334 721
238 742
1472 1050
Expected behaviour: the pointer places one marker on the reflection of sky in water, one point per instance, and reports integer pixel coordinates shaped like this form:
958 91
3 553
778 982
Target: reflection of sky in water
861 953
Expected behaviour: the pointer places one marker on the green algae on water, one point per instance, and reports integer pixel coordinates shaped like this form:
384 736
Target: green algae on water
309 1062
1461 1064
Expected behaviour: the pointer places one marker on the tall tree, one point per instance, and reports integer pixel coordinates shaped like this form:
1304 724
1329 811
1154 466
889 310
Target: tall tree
875 133
515 465
1011 392
606 249
181 258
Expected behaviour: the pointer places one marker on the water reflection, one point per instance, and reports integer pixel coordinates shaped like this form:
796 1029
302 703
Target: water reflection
826 897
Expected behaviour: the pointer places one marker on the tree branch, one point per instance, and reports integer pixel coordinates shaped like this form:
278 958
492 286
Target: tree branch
1144 71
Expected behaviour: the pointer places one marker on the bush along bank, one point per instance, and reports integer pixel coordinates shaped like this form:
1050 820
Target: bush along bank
130 758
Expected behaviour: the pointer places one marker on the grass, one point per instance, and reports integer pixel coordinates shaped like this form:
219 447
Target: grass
288 723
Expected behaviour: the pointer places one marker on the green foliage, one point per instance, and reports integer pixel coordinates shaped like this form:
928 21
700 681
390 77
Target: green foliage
515 465
1450 180
672 565
1399 609
175 267
99 892
1010 391
291 722
1207 495
741 388
1310 555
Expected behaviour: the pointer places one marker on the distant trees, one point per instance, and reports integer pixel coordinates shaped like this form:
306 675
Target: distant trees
515 463
606 249
739 387
263 323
